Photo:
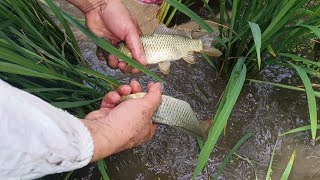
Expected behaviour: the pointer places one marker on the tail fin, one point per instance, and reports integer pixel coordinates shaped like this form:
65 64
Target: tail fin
206 45
205 128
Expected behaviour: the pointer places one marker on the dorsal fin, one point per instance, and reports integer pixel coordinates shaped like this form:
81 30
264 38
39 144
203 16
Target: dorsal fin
162 29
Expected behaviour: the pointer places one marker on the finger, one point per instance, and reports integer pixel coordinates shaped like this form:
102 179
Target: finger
124 90
135 71
113 61
122 66
110 100
134 44
150 85
99 54
136 87
153 96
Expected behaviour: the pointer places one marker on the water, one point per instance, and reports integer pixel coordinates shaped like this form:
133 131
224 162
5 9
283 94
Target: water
261 109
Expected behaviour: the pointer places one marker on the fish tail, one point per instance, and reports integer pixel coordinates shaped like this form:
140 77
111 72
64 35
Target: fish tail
205 127
207 48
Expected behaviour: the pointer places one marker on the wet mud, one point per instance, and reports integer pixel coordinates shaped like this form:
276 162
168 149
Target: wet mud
261 109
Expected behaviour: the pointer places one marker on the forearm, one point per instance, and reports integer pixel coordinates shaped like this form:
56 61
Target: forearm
38 139
104 137
87 5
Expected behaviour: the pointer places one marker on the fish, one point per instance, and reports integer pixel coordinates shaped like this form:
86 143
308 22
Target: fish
177 114
166 45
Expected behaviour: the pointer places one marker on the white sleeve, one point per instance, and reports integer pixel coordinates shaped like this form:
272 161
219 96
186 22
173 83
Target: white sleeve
37 139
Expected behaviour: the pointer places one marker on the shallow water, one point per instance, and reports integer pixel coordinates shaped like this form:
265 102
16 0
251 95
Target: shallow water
261 109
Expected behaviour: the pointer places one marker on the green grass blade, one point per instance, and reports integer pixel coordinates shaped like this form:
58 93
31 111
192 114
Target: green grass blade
98 75
256 32
311 99
298 58
67 104
233 20
269 172
229 156
269 31
287 171
111 49
102 169
65 25
184 9
232 95
317 94
314 29
68 175
208 60
299 129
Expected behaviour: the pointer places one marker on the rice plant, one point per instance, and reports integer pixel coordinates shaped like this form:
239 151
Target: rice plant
263 32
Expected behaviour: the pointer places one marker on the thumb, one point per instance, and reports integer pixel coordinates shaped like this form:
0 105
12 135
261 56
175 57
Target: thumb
134 44
153 97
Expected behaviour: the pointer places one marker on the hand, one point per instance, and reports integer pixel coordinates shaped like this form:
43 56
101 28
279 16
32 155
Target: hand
116 127
113 21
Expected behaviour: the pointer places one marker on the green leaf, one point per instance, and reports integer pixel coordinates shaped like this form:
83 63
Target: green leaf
311 99
269 172
287 171
231 96
314 29
184 9
67 104
102 168
256 32
299 129
229 156
317 94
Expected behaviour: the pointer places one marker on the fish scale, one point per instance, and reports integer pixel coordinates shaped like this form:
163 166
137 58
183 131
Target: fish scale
175 113
162 47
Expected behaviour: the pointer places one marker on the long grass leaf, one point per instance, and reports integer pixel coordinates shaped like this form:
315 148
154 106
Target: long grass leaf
229 156
269 172
102 169
299 129
256 32
67 104
317 94
311 99
222 117
269 31
314 29
184 9
287 171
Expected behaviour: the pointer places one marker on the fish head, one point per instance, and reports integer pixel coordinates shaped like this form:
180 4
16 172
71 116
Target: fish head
124 49
205 127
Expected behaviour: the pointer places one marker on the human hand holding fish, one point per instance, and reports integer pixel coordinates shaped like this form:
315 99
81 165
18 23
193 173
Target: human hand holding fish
111 20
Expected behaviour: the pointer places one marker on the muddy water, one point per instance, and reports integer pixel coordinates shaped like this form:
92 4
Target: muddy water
261 109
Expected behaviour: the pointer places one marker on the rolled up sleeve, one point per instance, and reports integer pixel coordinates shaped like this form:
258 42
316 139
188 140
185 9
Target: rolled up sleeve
37 138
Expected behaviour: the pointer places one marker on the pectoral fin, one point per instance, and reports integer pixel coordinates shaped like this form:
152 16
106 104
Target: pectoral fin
190 58
164 67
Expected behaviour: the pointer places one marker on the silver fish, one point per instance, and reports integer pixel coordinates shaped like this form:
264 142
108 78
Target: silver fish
177 114
166 45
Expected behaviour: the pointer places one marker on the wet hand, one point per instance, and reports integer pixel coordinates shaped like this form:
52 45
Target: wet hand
114 22
116 127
